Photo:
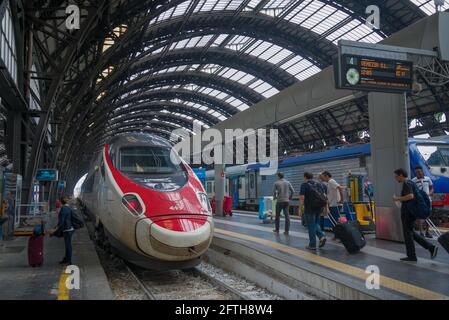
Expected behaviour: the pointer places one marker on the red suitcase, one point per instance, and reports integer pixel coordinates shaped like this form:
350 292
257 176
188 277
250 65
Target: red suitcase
36 251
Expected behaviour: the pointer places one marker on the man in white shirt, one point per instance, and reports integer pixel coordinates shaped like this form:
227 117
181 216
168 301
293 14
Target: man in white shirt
424 183
334 194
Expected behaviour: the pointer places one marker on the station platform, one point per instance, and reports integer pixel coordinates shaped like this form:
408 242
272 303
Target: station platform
331 272
19 281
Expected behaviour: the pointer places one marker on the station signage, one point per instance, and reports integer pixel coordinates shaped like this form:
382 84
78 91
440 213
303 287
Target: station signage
47 175
61 184
200 173
364 73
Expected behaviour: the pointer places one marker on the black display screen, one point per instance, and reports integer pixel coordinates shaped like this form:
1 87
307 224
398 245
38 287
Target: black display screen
375 74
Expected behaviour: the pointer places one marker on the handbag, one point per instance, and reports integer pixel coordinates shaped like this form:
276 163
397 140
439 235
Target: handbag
3 220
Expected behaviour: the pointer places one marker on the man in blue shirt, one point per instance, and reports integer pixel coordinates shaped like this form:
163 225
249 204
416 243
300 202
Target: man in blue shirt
312 214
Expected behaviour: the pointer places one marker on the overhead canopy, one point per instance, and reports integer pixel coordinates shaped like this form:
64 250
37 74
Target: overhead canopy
159 65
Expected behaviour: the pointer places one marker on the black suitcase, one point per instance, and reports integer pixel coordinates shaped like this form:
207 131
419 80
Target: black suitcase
350 235
444 241
443 238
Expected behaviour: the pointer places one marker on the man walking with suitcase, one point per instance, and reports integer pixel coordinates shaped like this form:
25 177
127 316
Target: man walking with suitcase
408 219
283 193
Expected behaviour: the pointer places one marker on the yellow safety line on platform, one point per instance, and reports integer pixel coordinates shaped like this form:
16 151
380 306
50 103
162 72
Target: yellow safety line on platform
387 282
63 292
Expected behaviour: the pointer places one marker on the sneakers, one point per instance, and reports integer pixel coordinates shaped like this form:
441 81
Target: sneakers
310 248
64 262
322 242
433 252
275 231
286 233
407 259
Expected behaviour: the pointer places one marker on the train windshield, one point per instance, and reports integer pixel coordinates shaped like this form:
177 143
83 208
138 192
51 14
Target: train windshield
435 155
147 160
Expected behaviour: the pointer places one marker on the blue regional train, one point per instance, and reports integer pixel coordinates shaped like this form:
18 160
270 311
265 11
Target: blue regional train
245 184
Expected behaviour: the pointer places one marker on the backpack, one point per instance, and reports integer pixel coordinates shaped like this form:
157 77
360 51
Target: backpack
77 220
38 230
420 207
318 199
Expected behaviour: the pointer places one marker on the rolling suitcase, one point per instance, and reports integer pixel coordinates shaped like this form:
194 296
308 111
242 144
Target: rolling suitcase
443 238
36 251
350 235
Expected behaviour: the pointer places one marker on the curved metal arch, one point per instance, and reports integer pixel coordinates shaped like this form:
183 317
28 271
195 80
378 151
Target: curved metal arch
136 124
258 68
285 34
202 79
162 95
184 95
395 15
183 122
170 106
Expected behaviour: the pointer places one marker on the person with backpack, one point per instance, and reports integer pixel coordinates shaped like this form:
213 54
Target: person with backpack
283 193
65 229
313 199
424 183
414 205
334 196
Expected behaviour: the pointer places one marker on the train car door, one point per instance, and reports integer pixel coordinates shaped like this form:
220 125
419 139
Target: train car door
252 186
242 189
234 191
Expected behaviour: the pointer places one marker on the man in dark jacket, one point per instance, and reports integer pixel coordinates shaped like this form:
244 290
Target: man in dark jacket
408 219
66 228
311 214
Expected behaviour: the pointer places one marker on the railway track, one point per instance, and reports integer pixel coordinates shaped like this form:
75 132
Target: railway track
192 284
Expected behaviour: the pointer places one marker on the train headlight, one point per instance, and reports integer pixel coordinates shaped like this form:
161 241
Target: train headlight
132 203
202 197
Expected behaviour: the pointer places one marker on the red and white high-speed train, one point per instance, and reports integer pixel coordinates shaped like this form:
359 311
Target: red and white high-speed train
152 211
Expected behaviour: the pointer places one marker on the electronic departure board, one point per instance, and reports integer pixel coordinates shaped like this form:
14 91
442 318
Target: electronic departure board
47 175
374 74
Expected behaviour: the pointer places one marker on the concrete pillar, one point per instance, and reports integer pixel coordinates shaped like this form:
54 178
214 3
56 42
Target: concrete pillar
389 151
220 188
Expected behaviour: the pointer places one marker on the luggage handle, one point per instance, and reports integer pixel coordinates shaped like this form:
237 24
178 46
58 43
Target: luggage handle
434 228
332 220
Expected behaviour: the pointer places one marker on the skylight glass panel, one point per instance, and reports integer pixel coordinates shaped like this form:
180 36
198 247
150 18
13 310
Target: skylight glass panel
262 87
270 92
253 3
219 40
308 73
255 84
222 95
234 4
222 4
428 6
243 107
291 62
208 5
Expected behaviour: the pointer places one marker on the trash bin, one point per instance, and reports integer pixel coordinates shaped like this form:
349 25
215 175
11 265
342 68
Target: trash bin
227 205
266 207
212 205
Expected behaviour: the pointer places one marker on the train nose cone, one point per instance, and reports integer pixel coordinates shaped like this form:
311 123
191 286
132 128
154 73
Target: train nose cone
174 239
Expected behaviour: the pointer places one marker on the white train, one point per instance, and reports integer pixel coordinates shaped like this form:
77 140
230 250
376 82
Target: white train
153 212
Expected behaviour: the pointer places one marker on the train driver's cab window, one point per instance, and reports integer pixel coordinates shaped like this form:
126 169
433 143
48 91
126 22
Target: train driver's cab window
437 158
147 160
